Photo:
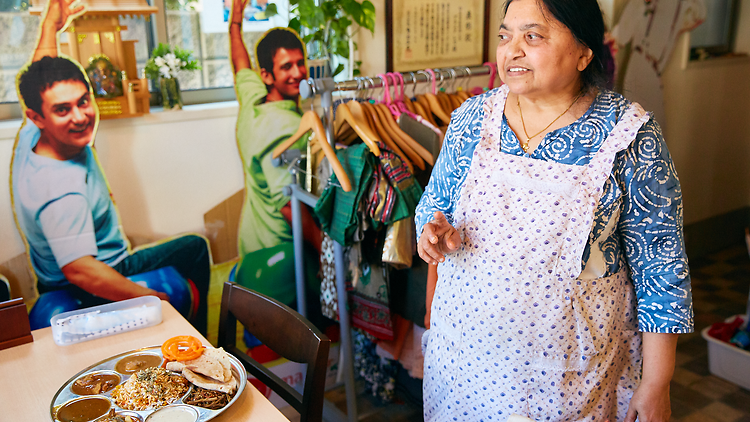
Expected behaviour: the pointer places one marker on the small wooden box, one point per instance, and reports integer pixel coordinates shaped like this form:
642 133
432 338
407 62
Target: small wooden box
15 322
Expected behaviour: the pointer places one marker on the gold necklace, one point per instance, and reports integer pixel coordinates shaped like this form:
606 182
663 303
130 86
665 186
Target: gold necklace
525 145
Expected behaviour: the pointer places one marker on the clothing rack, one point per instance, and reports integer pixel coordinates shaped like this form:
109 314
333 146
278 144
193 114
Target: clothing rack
324 87
442 75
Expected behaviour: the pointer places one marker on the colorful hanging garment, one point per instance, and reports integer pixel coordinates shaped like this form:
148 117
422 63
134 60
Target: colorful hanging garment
336 209
394 193
368 299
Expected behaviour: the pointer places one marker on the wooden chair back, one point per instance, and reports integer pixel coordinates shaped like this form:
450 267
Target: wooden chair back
284 331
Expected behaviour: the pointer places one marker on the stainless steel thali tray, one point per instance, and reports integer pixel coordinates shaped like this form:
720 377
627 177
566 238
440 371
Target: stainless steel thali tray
66 395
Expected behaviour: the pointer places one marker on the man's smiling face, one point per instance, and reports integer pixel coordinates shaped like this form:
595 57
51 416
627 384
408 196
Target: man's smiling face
288 71
68 117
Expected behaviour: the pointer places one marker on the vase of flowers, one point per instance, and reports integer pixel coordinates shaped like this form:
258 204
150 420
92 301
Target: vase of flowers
163 66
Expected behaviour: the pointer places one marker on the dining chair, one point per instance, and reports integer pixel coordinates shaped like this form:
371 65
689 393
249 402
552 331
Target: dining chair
284 331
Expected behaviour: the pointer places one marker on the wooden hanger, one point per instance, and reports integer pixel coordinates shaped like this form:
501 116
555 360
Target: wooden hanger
402 99
384 135
434 104
387 112
437 108
409 105
393 130
311 121
357 121
341 129
455 101
348 137
422 108
445 101
406 100
463 91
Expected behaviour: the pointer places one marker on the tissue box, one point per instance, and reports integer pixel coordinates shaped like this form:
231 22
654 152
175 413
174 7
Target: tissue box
105 320
728 361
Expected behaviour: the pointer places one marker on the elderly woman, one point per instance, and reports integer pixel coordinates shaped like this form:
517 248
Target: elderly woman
555 215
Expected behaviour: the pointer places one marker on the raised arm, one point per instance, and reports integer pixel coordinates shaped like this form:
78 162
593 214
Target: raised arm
59 14
238 51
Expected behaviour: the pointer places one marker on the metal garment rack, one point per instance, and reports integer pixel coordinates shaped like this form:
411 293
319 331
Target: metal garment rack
325 88
443 75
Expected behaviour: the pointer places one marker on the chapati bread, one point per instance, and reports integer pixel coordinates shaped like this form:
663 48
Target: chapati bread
213 363
212 370
175 366
210 383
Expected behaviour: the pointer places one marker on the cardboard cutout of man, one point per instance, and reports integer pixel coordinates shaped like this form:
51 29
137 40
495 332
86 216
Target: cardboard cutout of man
62 202
269 114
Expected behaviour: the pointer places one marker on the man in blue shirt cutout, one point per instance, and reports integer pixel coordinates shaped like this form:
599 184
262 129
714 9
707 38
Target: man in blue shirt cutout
61 198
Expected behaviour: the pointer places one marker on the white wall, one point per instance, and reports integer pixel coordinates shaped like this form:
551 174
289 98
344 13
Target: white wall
165 170
707 129
10 241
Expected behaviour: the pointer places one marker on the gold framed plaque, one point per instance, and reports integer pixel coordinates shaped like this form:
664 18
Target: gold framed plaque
424 34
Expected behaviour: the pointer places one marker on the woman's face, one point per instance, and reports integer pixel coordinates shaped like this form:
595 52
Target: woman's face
538 56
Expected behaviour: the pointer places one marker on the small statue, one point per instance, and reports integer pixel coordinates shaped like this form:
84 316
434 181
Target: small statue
106 79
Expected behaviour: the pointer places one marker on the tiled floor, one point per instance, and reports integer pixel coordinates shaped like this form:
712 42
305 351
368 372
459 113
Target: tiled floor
720 289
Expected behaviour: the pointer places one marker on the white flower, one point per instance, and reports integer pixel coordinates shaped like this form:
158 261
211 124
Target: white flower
165 71
159 61
172 60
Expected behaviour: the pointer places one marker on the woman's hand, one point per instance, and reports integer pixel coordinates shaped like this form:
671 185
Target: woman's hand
650 403
438 238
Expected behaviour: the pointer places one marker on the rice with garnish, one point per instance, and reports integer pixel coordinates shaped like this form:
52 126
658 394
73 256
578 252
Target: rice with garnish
150 388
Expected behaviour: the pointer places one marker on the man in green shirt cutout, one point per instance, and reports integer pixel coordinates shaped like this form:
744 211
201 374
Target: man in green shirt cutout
268 115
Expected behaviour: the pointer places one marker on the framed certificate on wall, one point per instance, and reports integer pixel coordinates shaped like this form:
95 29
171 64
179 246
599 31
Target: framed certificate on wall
424 34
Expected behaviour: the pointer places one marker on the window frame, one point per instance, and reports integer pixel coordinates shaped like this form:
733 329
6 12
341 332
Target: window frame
728 46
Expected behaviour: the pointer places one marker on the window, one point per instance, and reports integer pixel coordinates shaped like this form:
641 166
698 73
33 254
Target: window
211 49
182 24
715 36
18 30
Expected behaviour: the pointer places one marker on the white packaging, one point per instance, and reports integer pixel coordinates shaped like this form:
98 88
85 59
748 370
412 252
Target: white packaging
104 320
728 361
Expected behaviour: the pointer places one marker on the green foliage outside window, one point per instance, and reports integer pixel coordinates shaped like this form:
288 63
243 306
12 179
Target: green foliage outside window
179 4
325 27
14 5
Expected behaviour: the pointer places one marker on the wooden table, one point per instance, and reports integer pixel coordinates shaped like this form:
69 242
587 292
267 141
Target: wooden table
31 374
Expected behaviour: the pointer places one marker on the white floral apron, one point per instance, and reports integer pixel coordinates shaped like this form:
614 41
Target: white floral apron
513 329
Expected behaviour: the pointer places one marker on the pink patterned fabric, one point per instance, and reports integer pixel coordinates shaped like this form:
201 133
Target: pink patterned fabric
513 329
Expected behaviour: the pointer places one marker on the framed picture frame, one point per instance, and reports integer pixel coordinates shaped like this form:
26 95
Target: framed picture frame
424 34
716 35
